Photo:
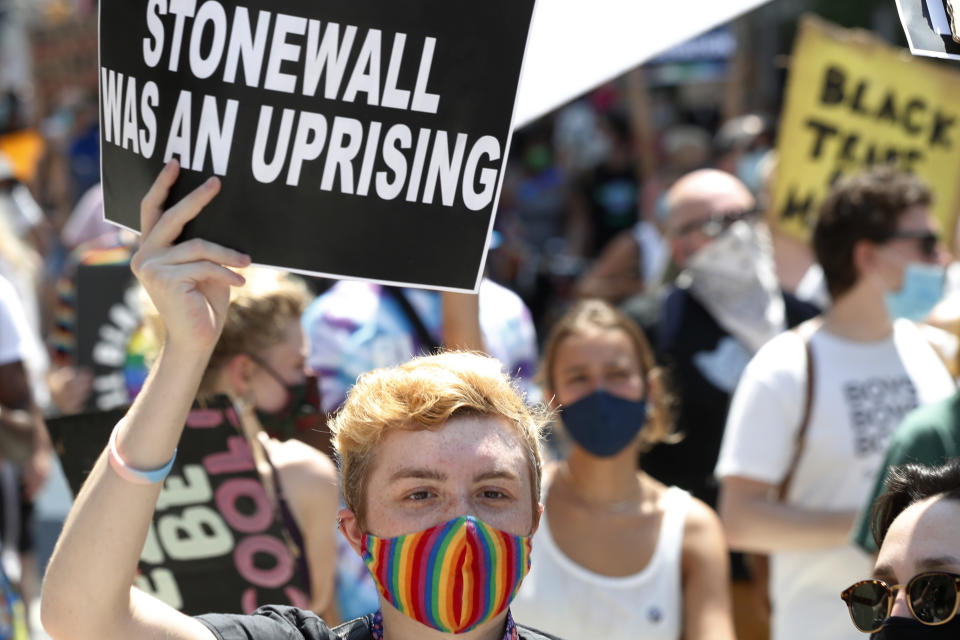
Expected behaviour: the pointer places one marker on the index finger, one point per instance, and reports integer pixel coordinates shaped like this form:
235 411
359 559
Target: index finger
172 221
151 207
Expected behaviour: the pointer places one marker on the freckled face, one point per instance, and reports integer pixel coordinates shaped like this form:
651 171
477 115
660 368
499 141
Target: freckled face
473 465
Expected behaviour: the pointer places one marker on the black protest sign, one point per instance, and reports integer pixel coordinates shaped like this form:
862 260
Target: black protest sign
108 321
215 543
932 27
353 138
79 439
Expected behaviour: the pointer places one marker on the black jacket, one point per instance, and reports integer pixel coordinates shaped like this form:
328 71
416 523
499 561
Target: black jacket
289 623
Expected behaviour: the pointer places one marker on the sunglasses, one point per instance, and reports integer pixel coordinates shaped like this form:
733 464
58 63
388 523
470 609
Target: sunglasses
928 240
718 223
931 597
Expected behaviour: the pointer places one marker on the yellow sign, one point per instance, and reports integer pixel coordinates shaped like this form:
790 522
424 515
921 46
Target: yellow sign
854 101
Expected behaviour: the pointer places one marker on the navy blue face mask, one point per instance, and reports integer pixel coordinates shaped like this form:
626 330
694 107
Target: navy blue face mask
908 628
604 424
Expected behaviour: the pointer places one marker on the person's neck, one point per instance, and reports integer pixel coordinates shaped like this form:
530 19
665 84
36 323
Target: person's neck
602 480
397 626
859 315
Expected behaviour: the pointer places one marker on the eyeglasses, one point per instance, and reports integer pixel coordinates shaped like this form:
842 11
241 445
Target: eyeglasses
931 597
717 223
928 240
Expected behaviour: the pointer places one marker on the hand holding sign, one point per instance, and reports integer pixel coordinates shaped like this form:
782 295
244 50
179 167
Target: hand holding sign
89 574
188 282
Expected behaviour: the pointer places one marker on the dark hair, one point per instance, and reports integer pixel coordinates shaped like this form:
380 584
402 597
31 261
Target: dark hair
908 485
865 206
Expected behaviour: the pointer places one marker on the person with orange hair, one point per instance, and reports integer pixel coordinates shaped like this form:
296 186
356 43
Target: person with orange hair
440 473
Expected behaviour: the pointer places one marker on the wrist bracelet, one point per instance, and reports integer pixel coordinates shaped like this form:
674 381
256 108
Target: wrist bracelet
128 473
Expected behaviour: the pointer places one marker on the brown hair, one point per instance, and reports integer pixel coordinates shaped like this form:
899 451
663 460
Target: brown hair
597 314
865 206
425 393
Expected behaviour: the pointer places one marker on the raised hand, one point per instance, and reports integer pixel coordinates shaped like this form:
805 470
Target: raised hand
189 282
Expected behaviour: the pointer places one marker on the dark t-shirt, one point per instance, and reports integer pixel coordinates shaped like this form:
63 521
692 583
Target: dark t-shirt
289 623
611 195
704 363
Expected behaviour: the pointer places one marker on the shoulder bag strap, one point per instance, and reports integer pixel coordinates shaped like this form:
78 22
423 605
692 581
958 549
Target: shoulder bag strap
805 331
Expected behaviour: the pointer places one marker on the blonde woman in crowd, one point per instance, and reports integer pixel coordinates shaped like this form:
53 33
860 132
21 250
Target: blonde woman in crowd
618 554
258 363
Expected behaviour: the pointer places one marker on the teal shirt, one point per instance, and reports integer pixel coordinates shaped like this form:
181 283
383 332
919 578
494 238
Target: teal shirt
929 435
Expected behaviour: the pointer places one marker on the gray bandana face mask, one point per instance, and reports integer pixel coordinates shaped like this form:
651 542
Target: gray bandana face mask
734 278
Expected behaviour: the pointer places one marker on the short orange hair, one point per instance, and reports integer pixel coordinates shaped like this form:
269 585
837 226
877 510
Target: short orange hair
425 393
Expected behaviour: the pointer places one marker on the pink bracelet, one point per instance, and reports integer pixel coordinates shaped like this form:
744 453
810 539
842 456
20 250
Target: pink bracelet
130 474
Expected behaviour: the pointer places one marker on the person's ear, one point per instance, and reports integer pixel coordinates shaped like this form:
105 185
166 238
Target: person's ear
677 254
238 371
654 389
865 258
538 512
349 526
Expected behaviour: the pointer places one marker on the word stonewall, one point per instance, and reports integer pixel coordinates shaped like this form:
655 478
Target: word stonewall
358 139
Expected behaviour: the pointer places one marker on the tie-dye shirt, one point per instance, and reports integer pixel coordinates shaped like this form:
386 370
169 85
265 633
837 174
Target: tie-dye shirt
356 327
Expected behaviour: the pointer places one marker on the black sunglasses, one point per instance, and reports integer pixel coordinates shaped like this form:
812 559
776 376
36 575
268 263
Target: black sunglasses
931 597
717 223
928 240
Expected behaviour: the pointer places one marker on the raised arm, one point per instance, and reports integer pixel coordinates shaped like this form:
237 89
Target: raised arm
87 593
615 274
461 322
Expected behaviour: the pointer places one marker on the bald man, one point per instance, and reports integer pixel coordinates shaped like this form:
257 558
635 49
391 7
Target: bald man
723 306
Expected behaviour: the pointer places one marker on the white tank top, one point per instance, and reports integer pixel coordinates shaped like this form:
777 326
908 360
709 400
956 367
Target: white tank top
562 598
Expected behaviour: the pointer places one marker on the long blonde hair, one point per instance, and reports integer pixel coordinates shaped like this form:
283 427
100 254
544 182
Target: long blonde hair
258 315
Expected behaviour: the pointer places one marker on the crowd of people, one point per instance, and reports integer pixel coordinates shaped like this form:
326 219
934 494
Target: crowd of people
661 416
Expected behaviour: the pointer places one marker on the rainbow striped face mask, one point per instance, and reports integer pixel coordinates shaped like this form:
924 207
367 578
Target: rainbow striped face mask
451 577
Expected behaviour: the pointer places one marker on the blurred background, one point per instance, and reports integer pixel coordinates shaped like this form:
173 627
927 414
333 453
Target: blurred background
584 181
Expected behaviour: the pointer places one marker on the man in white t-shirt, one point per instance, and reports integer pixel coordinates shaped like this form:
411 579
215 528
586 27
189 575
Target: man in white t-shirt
868 372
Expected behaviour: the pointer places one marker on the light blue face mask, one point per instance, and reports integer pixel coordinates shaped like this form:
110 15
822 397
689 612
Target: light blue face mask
921 291
748 169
